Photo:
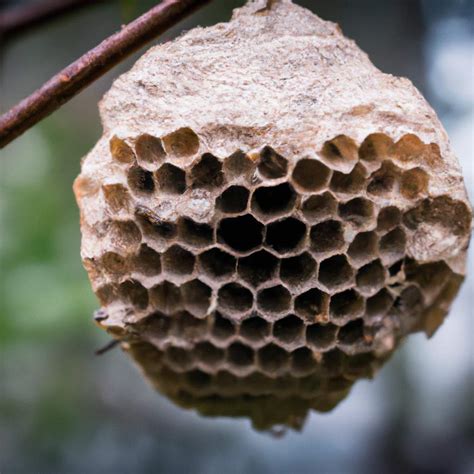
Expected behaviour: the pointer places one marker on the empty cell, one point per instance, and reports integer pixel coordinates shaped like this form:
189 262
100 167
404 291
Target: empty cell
222 328
311 175
216 263
194 233
371 277
383 181
346 305
198 380
257 268
134 292
272 201
140 181
240 355
321 336
298 271
242 233
430 277
147 261
188 328
285 235
363 248
207 172
196 297
332 362
414 183
311 304
178 358
289 330
171 179
335 271
208 354
254 329
274 300
155 228
349 183
121 151
396 268
303 361
178 261
376 147
181 143
410 302
235 297
233 200
341 152
378 306
156 326
327 236
238 165
273 359
352 332
358 211
389 217
392 246
166 297
409 148
106 294
271 164
319 207
116 196
124 235
113 263
149 150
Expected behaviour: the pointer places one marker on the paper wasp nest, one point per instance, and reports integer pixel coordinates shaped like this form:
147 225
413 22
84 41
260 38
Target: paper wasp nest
267 214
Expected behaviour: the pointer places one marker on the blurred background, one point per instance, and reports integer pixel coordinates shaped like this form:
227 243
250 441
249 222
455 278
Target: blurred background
65 410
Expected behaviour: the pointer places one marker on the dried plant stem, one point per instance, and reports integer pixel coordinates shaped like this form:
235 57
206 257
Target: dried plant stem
89 67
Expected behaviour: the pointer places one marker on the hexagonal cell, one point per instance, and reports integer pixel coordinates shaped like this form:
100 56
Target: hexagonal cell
351 333
319 207
149 151
235 297
274 300
198 380
242 233
178 261
237 165
409 148
117 197
208 354
321 336
358 211
156 326
332 363
153 227
414 183
371 277
134 292
147 261
181 143
410 302
350 183
363 248
388 218
298 271
272 201
216 263
346 305
196 297
188 328
166 297
121 151
311 175
272 165
207 172
312 304
124 235
378 306
257 268
113 263
341 152
222 328
335 272
285 235
392 246
303 361
254 329
384 180
273 359
233 200
171 179
240 355
376 147
430 277
106 294
289 330
327 237
194 233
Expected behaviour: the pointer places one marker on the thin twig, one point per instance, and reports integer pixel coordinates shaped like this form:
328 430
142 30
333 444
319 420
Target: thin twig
109 346
15 20
78 75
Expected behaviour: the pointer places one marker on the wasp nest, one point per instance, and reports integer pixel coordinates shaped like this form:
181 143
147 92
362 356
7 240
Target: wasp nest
264 202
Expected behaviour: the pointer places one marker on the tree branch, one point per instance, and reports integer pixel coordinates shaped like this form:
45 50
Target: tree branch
15 20
78 75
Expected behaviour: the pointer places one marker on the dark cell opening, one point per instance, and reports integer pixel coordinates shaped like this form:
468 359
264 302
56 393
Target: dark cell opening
274 200
286 235
241 233
233 200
